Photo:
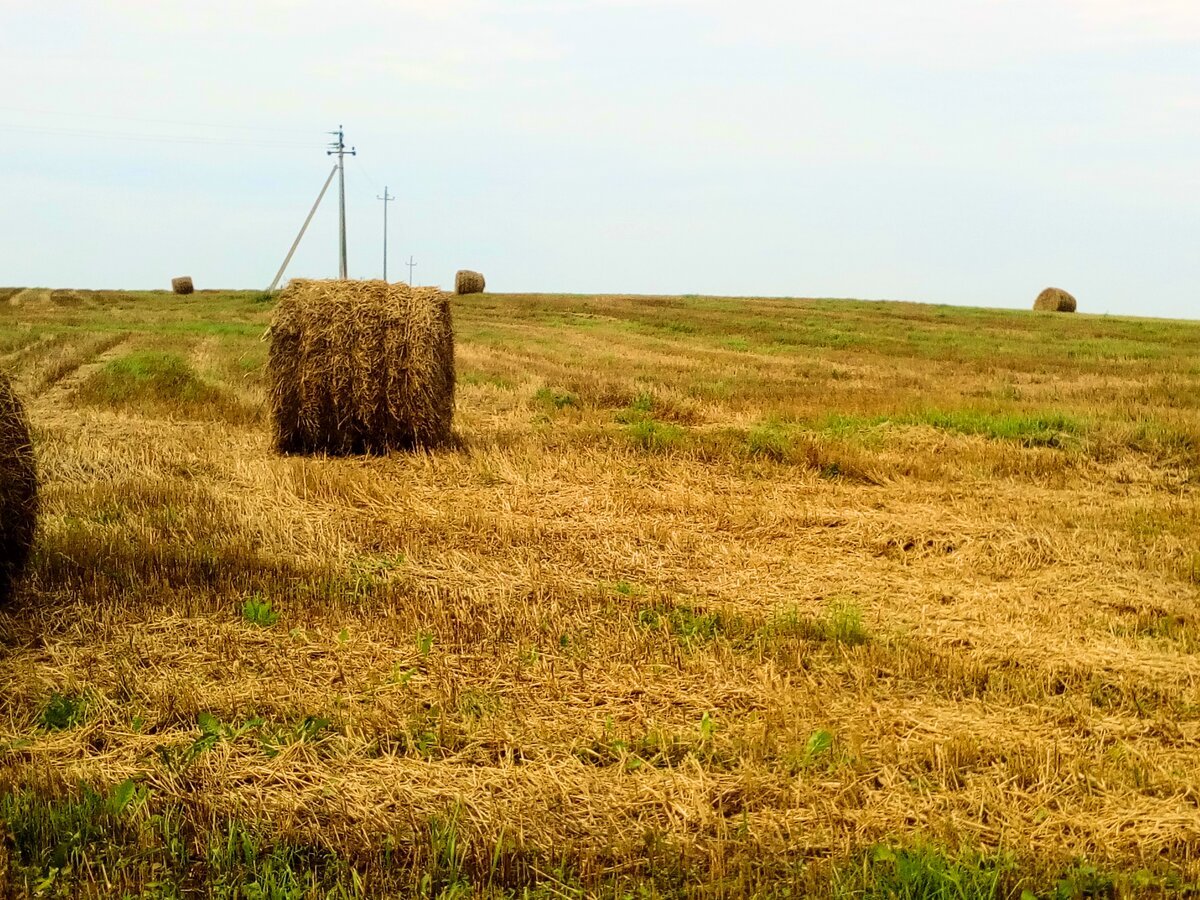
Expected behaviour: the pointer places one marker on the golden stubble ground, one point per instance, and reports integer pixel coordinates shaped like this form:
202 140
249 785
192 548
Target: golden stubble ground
692 590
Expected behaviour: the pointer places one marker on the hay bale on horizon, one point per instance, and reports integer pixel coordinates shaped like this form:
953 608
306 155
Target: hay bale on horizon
1055 300
468 282
182 285
18 490
361 367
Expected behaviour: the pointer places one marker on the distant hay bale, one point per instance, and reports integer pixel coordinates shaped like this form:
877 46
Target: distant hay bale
361 367
1055 300
182 285
468 282
18 489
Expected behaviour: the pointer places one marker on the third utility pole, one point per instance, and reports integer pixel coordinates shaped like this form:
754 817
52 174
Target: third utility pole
338 149
386 200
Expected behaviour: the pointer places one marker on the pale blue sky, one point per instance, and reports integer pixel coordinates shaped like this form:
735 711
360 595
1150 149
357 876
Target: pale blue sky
950 151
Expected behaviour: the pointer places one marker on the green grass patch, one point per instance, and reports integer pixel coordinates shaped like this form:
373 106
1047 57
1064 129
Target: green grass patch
159 381
640 409
147 375
926 873
656 437
789 634
770 440
690 627
122 840
484 379
550 398
1027 429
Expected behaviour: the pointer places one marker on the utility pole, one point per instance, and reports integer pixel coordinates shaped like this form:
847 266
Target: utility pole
287 259
338 149
386 200
410 268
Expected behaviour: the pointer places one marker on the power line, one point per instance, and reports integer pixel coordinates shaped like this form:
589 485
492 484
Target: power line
367 172
152 138
258 129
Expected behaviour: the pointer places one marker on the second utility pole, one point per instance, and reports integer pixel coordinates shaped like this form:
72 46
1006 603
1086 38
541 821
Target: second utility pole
339 150
386 200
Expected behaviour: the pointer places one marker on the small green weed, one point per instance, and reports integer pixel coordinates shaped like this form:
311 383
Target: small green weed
425 642
213 731
446 877
690 627
257 611
623 587
843 624
820 753
63 711
477 703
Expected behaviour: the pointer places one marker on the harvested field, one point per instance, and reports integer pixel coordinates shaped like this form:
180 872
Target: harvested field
721 597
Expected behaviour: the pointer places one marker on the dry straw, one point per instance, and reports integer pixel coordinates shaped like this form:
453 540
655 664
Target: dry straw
1055 300
468 282
182 285
361 367
18 489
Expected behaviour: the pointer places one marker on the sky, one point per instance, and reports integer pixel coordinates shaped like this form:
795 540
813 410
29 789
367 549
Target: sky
969 152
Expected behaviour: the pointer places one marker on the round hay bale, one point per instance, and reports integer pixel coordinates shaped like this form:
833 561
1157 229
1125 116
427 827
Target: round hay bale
468 282
18 489
1055 300
182 284
361 367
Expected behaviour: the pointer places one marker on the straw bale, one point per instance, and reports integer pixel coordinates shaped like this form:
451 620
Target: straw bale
468 282
18 489
182 284
1055 300
361 367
